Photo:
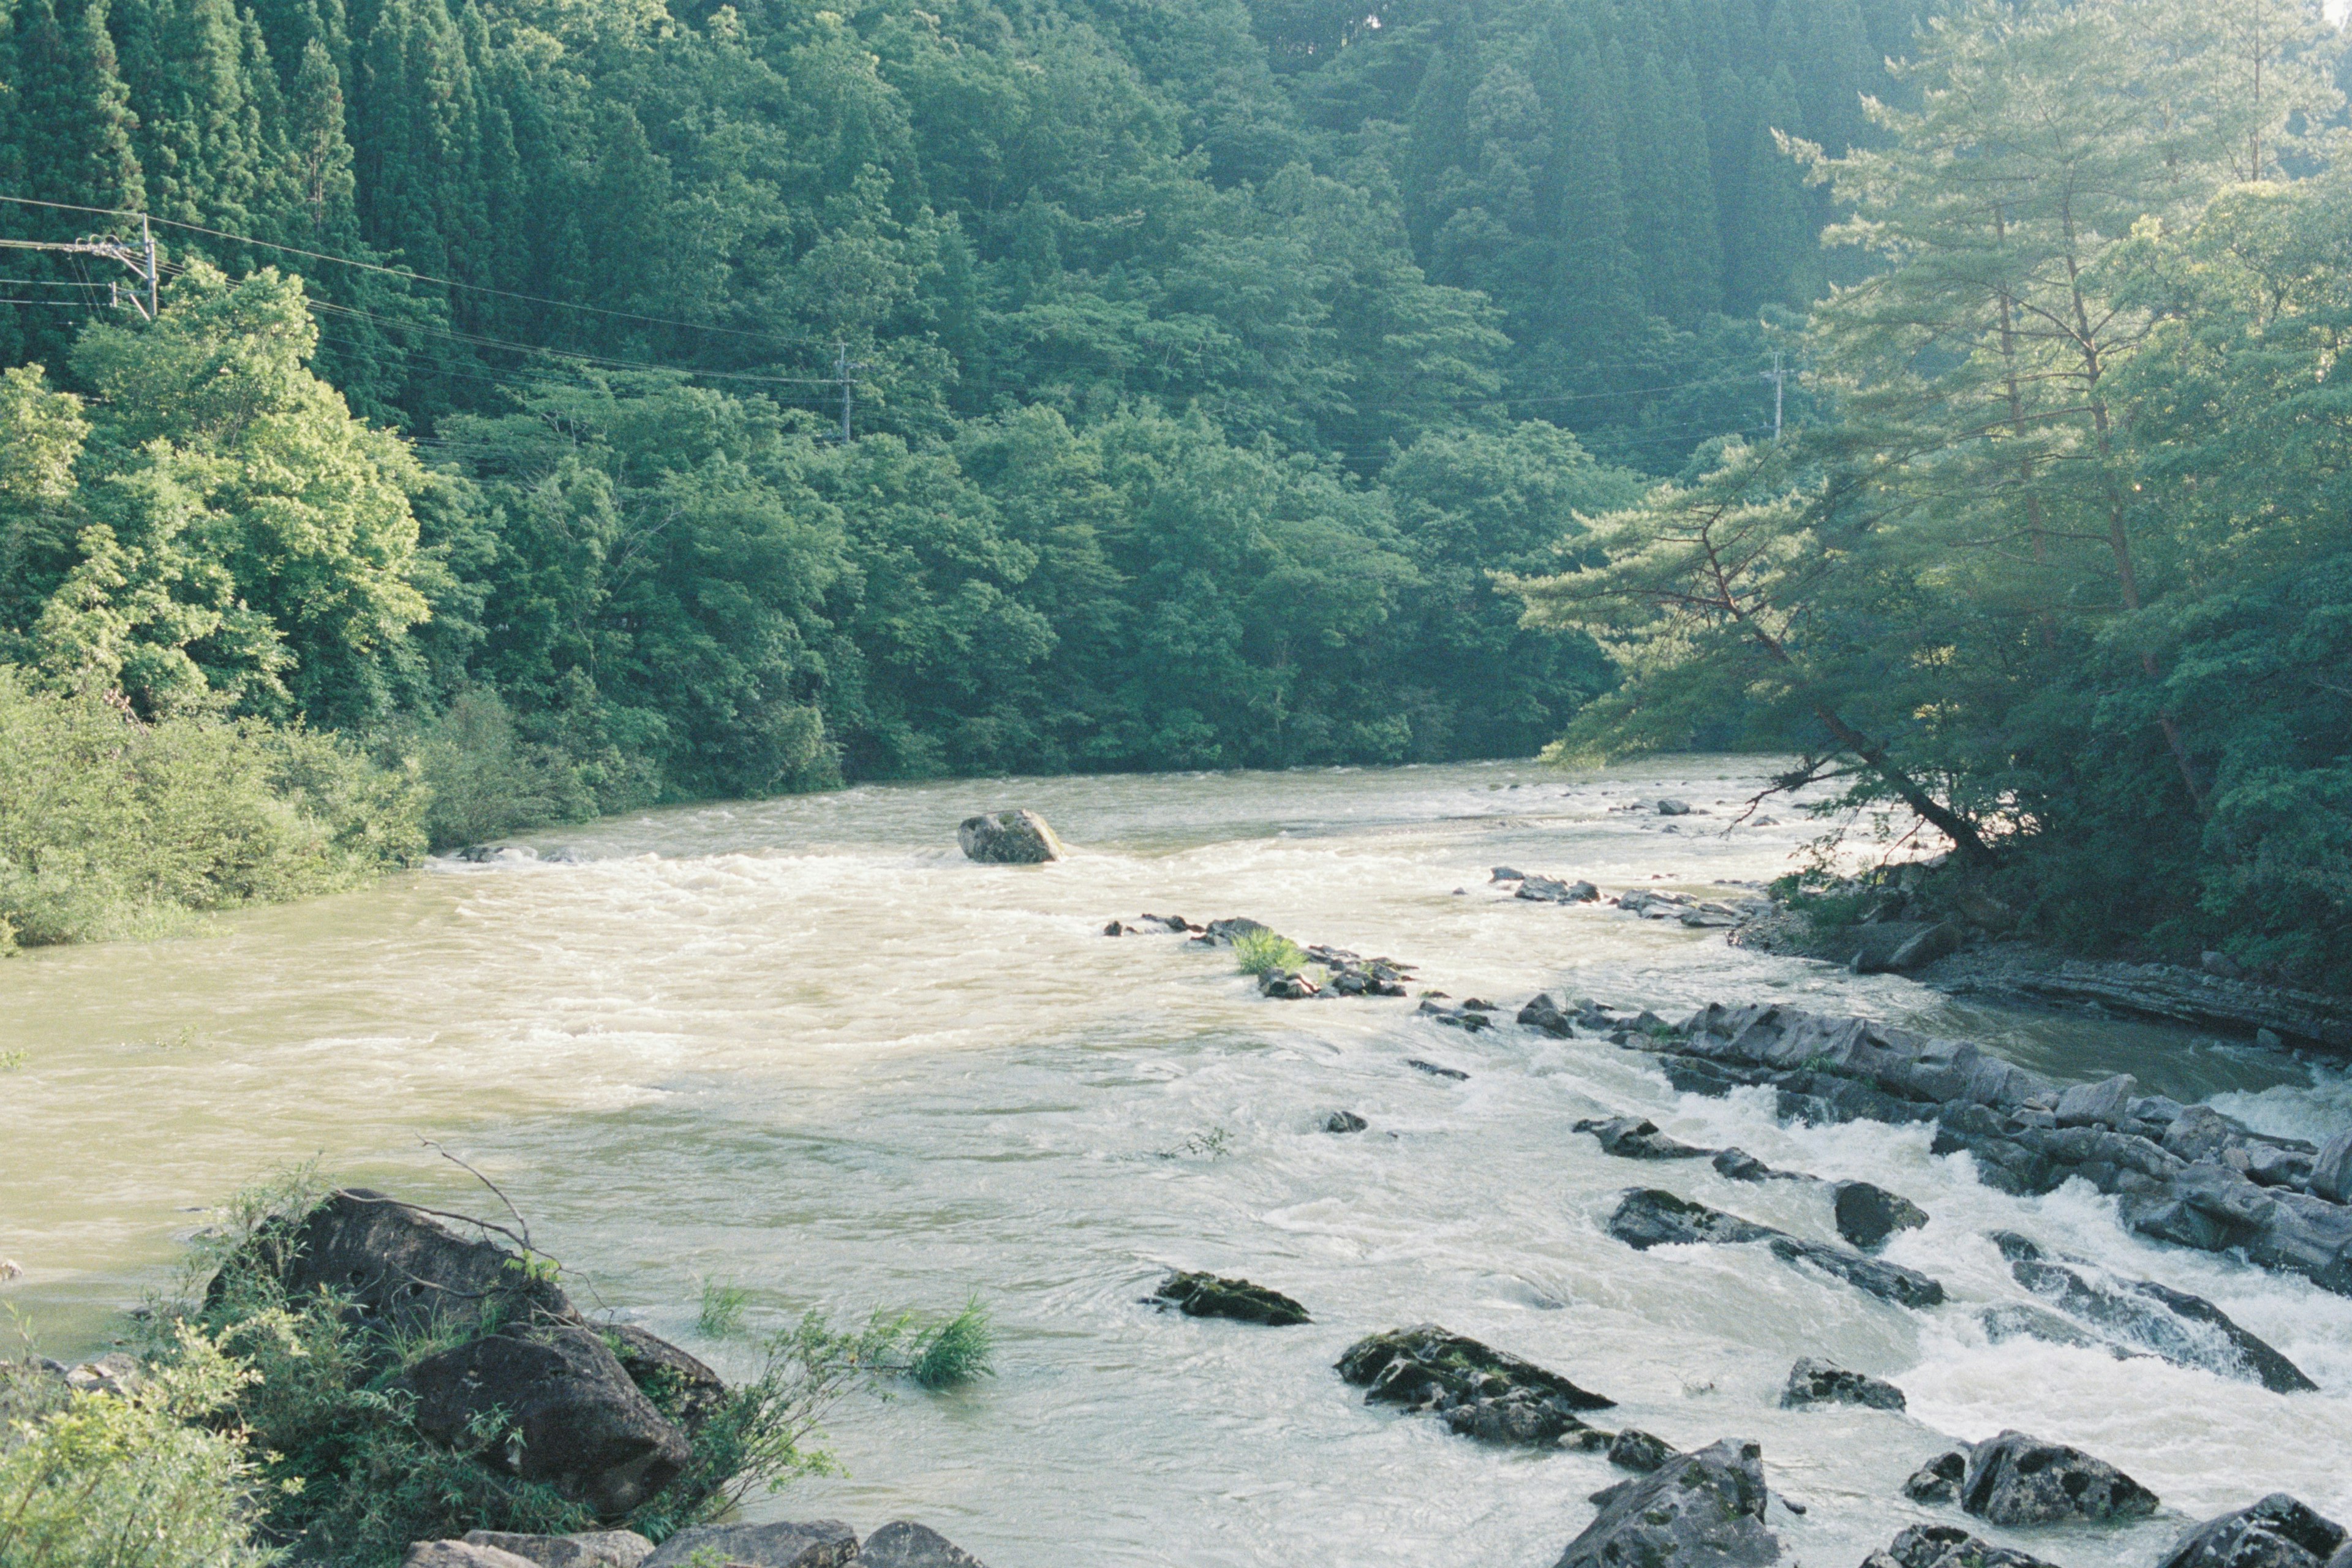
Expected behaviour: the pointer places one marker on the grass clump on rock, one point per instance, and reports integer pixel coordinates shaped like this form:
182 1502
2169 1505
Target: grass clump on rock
1262 952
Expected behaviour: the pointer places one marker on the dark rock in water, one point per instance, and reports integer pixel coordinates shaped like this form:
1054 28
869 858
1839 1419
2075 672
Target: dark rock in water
1114 929
1551 890
1471 1019
1947 1546
1631 1138
1286 986
1633 1450
2276 1532
1009 839
592 1549
1344 1121
1544 1014
678 1385
1938 941
1222 934
1207 1296
2016 1479
905 1544
1740 1165
2185 1330
1867 1215
1939 1481
399 1269
1479 1391
1671 807
815 1544
1433 1070
1816 1382
1505 874
1704 1509
1646 1217
582 1427
1876 949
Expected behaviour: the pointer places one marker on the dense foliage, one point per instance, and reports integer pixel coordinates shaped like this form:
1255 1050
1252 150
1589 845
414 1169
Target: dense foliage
2065 568
1205 361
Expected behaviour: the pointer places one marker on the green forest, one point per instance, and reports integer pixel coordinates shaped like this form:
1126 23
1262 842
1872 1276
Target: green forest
552 408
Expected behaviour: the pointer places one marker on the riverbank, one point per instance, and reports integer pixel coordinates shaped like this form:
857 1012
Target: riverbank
804 1049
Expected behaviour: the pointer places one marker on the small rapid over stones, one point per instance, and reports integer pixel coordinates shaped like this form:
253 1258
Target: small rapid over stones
810 1050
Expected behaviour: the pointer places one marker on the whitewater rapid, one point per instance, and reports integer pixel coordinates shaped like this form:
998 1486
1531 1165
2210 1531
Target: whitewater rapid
803 1046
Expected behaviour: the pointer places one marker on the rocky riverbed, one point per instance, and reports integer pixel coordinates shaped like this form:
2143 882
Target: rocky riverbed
775 1047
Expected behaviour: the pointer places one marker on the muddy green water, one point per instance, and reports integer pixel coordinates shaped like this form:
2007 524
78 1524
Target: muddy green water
804 1047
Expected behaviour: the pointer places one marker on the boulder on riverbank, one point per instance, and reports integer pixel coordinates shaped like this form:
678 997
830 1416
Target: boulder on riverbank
574 1414
1208 1295
1647 1218
1702 1509
592 1549
1009 839
1477 1390
2276 1532
2016 1479
902 1543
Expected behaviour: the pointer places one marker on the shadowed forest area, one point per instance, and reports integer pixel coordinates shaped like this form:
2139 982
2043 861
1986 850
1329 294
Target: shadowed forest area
560 408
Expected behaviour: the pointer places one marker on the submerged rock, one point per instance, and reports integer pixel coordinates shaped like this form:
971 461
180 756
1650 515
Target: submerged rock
1816 1382
2016 1479
1868 1214
1344 1121
1209 1296
1478 1391
902 1543
1009 839
2276 1532
1703 1510
1947 1546
590 1549
817 1544
1632 1138
1552 891
2185 1330
1646 1217
1435 1070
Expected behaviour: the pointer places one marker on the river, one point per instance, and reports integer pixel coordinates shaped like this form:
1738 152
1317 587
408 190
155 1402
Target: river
804 1047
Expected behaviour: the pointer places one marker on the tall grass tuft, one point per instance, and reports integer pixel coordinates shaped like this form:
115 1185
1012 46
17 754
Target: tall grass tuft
723 1310
1264 952
957 1350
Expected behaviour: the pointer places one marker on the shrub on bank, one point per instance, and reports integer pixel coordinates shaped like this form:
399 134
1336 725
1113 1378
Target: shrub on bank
110 826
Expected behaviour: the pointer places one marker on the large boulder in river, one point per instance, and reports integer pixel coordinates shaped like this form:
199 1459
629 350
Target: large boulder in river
1478 1391
2276 1532
1009 839
1704 1509
812 1543
2016 1479
567 1414
1947 1546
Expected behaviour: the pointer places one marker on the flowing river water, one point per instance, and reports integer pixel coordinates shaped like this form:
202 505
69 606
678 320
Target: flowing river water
804 1047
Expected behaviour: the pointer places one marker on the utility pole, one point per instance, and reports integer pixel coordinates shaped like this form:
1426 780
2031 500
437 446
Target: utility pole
1779 380
138 257
842 366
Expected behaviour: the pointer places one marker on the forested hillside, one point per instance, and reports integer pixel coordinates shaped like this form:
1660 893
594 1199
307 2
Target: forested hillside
1199 365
